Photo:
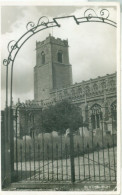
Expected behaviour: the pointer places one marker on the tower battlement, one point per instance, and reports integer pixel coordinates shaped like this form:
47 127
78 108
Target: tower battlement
52 40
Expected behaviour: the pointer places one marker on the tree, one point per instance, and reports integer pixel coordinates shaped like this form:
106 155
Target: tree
62 116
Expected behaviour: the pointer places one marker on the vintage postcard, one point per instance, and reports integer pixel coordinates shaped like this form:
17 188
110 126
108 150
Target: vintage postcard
60 102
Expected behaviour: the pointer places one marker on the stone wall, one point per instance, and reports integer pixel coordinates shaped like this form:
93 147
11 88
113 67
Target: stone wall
62 75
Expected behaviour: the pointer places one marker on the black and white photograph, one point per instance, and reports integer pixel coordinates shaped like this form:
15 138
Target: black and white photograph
60 97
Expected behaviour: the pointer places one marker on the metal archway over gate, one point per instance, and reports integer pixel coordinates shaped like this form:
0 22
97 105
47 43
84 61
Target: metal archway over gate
43 23
55 167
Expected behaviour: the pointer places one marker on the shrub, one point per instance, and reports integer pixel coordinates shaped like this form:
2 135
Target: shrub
46 143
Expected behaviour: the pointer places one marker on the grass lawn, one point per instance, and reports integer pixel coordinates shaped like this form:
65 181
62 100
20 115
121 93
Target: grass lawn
86 169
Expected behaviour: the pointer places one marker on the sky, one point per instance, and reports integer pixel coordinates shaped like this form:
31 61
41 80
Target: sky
92 46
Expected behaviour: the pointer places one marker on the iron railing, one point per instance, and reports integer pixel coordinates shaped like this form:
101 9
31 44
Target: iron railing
49 157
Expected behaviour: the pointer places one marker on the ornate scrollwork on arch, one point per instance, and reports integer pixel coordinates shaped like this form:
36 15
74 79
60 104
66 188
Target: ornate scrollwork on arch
105 13
12 45
43 23
89 13
31 26
6 62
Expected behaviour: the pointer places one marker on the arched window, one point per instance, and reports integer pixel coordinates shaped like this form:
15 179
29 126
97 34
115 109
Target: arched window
103 85
60 95
95 86
65 92
111 84
87 89
43 57
114 115
96 116
60 56
79 89
32 133
73 92
113 110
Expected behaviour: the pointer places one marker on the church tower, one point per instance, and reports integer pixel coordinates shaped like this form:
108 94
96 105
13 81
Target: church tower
53 69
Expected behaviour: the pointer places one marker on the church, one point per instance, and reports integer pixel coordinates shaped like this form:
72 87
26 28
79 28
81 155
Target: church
53 83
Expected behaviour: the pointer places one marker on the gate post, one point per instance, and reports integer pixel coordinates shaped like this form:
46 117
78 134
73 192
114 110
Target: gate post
5 149
72 157
3 160
11 133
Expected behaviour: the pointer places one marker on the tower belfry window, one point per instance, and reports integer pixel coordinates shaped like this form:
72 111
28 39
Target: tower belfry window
43 57
60 56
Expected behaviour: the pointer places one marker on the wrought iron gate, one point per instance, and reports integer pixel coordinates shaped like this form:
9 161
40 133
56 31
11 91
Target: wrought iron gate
49 157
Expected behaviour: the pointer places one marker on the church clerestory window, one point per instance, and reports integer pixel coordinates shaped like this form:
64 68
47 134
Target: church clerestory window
111 84
114 116
95 87
103 85
65 92
60 95
79 90
73 92
87 90
60 56
43 57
